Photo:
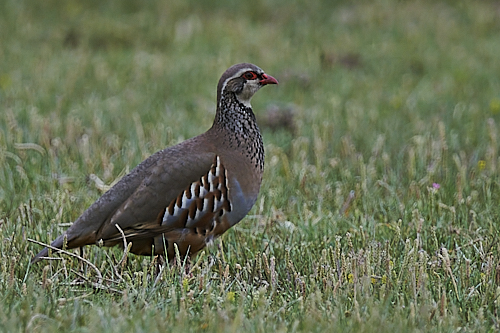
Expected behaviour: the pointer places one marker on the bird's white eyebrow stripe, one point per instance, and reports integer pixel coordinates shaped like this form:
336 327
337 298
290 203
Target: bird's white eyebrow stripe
238 74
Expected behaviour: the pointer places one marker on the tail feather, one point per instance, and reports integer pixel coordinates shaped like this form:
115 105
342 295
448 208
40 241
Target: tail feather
45 252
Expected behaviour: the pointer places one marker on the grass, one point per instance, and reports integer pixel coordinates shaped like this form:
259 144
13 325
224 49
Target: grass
397 101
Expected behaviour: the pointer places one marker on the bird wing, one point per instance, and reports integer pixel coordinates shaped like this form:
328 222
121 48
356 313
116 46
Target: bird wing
199 207
146 207
139 198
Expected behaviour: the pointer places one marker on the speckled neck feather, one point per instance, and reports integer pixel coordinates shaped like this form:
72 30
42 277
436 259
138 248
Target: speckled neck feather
238 124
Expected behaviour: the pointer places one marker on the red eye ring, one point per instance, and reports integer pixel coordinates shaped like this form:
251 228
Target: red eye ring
249 76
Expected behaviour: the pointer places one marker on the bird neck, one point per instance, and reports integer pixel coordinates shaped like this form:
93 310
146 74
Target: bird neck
236 121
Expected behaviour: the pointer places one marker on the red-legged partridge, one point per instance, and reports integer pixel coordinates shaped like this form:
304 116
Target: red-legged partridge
190 193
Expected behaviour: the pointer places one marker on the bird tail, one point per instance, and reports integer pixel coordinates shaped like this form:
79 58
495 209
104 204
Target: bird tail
58 243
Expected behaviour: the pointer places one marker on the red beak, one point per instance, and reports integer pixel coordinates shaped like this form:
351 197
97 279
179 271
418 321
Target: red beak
268 79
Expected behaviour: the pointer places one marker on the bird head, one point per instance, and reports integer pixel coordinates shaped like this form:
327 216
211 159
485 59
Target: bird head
243 80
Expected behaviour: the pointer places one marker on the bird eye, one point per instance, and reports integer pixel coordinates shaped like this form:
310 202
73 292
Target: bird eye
250 76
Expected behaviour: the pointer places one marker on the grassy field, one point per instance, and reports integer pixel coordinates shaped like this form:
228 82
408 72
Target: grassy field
398 101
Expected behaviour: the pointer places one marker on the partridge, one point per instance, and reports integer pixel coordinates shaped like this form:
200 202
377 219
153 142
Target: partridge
189 193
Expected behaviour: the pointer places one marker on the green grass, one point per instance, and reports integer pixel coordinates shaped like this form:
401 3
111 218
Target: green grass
388 99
